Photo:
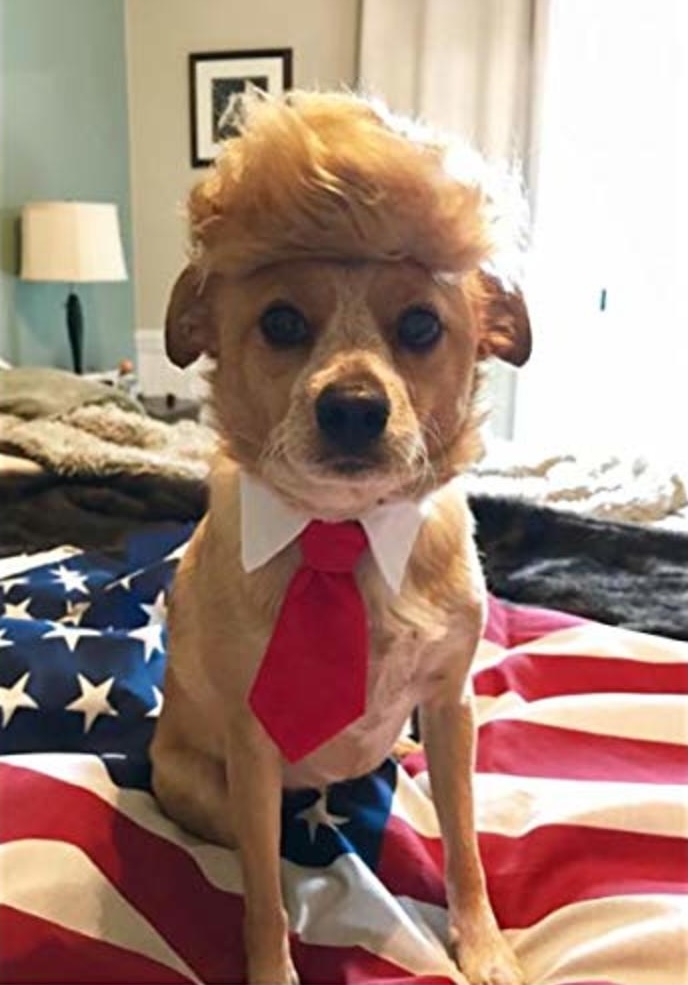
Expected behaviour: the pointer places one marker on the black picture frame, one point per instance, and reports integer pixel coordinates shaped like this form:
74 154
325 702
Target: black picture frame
214 77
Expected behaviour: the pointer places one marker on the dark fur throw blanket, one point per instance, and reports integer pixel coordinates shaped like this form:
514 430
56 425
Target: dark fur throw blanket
625 574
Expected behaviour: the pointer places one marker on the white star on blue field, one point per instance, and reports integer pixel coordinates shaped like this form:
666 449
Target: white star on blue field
82 648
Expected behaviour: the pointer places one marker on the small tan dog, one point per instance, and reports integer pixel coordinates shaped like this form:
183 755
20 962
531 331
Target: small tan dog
339 278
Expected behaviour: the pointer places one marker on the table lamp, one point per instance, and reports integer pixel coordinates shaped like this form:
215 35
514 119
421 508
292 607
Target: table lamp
74 243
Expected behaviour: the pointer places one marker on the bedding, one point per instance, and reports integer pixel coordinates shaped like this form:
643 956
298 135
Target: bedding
581 802
94 474
619 486
627 574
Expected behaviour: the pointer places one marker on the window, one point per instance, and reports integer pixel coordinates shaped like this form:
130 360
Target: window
608 280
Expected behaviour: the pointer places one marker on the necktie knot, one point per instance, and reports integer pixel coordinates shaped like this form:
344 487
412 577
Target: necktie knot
333 547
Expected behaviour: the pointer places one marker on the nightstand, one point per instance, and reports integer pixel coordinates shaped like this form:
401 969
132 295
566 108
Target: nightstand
171 408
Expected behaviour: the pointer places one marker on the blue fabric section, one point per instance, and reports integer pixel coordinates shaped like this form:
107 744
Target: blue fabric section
89 630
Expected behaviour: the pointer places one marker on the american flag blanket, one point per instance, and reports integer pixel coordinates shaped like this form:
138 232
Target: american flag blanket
582 778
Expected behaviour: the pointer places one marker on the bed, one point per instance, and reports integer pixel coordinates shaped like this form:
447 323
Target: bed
582 771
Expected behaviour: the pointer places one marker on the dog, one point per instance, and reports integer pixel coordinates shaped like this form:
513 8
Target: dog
344 278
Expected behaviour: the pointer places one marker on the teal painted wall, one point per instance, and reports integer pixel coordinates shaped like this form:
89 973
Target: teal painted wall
63 135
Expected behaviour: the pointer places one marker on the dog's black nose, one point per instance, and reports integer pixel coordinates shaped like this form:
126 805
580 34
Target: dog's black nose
352 416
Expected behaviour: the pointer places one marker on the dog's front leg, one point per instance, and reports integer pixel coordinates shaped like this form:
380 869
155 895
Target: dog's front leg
255 785
448 732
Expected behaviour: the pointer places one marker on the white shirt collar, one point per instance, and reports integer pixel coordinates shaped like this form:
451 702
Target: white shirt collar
268 524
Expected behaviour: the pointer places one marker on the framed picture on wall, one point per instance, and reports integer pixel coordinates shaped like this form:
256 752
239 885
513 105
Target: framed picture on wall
216 78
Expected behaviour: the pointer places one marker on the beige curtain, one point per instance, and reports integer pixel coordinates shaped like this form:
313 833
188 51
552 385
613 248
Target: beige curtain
470 66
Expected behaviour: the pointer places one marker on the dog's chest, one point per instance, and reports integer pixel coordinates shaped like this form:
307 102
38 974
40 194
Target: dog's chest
401 657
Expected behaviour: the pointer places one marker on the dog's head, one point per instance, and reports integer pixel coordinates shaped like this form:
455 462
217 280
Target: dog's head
344 277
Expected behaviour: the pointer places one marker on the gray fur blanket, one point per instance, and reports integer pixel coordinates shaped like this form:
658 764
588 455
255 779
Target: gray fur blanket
89 476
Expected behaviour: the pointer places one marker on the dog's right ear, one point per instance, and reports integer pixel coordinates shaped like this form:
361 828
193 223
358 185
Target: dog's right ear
189 328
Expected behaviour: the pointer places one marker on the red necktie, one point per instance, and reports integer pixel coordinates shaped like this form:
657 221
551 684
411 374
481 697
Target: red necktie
312 681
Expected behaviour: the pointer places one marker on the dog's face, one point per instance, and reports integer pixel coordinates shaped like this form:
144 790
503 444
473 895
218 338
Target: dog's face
344 381
341 384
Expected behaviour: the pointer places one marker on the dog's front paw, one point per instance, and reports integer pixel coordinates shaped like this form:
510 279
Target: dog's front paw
483 955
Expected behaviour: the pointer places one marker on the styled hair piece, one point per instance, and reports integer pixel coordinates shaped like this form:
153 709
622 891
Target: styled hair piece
337 176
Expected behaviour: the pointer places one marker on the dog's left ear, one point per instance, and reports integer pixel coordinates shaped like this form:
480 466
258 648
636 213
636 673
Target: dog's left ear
503 322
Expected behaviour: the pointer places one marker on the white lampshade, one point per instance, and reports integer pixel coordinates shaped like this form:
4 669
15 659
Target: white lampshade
74 242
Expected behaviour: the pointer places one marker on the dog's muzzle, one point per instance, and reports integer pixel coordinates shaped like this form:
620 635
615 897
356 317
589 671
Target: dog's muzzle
352 417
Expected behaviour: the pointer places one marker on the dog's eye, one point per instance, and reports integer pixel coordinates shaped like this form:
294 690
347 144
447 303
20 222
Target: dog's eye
283 326
418 329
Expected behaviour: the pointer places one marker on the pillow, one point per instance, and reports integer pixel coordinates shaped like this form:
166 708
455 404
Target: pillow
31 391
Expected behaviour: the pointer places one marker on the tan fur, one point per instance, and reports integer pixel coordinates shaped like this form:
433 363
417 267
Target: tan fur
328 204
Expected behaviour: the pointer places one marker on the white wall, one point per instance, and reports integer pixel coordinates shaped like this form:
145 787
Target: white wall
160 36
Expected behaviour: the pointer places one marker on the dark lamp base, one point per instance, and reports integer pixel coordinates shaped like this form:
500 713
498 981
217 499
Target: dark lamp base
75 331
